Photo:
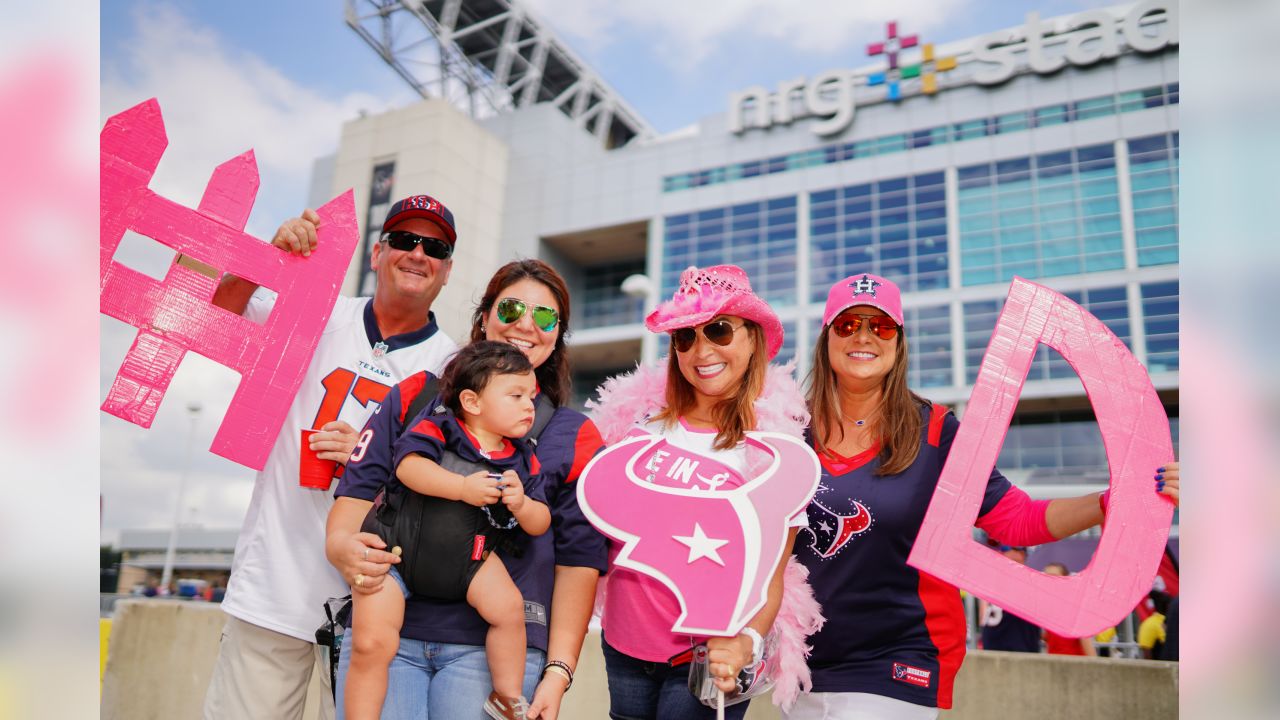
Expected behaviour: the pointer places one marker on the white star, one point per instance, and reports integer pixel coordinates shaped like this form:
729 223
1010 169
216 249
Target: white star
701 546
825 527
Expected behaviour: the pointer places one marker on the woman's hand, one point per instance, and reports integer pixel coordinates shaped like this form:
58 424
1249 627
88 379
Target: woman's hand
1167 481
725 659
546 699
362 560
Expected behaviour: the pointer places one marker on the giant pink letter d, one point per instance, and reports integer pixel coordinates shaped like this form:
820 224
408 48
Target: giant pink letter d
1135 431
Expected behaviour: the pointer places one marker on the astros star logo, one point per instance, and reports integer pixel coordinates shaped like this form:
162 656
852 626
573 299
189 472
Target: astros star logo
864 285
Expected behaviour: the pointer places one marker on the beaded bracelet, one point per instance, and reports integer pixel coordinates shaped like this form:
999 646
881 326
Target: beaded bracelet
561 668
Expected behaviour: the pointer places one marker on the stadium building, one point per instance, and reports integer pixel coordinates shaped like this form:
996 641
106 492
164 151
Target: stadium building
1048 150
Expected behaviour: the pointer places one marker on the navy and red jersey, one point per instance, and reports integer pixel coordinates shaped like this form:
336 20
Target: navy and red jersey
432 435
1002 630
563 449
890 629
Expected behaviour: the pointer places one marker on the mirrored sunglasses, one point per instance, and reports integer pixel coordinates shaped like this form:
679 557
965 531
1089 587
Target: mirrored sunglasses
719 332
848 323
406 241
510 310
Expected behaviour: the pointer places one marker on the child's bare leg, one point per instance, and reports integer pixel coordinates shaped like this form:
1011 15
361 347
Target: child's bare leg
376 619
495 596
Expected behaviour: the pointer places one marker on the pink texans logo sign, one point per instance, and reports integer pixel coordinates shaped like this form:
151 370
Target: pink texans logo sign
697 526
1135 432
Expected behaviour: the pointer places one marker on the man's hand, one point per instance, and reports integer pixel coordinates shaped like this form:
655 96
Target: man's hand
298 235
335 441
479 489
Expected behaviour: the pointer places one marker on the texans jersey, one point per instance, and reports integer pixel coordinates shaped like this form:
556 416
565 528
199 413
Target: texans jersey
280 577
562 449
891 630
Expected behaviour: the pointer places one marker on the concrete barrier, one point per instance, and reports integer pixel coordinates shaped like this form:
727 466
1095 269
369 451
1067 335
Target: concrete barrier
161 656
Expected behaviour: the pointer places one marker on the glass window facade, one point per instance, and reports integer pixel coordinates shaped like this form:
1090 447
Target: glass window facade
1051 214
894 228
759 237
1110 305
928 346
1160 317
603 302
1153 174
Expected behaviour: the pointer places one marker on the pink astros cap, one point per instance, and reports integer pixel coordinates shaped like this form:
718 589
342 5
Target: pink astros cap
716 290
863 289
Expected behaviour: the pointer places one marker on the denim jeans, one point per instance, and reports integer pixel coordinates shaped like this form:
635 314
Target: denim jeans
641 690
437 680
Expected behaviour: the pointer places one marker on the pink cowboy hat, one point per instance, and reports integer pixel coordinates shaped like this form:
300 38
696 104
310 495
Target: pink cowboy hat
717 290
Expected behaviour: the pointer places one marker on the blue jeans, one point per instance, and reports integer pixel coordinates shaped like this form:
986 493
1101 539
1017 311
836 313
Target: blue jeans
437 680
641 690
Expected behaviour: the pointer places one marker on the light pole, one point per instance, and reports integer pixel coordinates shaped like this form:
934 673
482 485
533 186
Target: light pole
166 576
641 287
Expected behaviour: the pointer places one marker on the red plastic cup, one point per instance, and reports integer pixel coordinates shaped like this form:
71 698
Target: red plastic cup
312 471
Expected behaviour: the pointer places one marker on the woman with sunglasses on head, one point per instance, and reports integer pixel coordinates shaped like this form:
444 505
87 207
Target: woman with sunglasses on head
882 449
440 669
716 386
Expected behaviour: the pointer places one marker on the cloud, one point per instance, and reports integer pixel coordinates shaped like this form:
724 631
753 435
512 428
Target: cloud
686 33
218 101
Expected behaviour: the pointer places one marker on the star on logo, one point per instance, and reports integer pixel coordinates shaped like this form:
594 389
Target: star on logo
701 546
864 285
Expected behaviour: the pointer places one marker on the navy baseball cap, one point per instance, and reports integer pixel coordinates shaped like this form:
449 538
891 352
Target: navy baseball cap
422 206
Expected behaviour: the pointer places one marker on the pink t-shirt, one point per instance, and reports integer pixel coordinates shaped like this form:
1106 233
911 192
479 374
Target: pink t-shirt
639 611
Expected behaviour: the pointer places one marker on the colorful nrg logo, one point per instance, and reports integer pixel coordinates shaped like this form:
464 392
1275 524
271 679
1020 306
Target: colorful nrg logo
926 69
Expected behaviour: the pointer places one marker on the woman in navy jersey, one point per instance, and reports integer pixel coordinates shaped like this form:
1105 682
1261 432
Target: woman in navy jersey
440 670
894 637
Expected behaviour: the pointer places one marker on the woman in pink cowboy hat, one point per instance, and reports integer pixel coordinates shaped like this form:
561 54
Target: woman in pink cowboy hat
716 386
882 449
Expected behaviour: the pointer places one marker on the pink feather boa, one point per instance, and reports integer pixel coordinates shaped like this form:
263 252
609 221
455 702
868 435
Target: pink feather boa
628 399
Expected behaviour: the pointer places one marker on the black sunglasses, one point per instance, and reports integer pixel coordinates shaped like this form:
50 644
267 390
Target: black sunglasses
510 310
406 241
719 332
848 323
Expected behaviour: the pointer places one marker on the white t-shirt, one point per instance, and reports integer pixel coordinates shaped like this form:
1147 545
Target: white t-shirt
280 577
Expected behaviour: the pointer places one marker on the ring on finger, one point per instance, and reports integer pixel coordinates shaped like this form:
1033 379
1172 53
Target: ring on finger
359 579
366 554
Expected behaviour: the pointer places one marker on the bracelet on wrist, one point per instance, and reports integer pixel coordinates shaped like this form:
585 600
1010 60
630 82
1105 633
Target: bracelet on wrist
560 668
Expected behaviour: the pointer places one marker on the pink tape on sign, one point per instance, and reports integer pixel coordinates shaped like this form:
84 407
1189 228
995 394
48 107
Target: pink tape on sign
175 315
1135 431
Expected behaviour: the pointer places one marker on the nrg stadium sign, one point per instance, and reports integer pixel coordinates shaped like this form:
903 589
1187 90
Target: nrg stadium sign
1041 47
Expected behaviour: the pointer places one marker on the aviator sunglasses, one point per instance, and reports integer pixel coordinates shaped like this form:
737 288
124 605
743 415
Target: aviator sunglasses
719 332
510 310
848 323
405 241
